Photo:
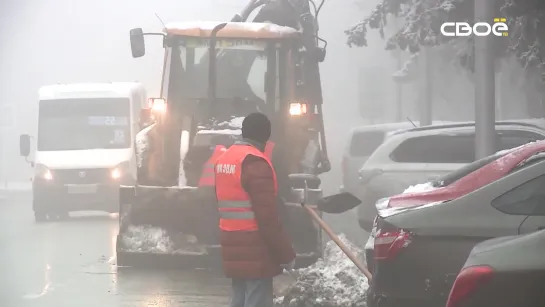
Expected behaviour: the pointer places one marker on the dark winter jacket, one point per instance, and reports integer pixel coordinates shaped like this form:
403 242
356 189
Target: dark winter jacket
257 254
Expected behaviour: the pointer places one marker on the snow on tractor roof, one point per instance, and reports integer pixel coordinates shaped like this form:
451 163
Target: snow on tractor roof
248 30
90 90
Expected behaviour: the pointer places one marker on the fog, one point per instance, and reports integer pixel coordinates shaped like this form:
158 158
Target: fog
61 41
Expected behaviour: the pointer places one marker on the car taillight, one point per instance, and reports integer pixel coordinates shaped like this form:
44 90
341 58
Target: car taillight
388 244
468 280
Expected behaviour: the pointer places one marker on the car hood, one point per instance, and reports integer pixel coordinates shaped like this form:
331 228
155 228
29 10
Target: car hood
91 158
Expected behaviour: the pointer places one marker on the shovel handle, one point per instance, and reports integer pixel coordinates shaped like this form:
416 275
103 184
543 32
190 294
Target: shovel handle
339 243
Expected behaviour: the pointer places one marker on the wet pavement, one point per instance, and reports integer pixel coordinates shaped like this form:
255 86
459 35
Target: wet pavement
72 263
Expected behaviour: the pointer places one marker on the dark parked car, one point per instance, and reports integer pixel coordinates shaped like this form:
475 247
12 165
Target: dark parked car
503 272
422 239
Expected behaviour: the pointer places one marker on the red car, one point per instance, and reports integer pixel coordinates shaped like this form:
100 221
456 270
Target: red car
422 238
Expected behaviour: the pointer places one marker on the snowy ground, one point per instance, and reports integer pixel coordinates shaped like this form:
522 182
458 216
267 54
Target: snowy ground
147 239
332 282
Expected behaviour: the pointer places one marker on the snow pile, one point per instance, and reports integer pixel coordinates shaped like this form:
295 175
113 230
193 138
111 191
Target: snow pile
418 188
236 122
147 239
332 282
184 148
231 127
370 244
142 144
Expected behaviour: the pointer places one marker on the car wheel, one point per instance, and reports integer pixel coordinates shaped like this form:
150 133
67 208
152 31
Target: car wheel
40 217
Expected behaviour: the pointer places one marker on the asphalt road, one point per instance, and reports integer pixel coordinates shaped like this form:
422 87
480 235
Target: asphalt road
72 263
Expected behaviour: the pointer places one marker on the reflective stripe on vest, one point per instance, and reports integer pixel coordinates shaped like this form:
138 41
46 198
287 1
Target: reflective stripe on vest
234 205
235 210
269 147
207 175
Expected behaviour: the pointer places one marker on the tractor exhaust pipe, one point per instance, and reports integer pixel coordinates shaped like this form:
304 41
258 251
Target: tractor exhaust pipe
212 78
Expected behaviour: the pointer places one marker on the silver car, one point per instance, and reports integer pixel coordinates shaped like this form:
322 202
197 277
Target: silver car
424 154
362 142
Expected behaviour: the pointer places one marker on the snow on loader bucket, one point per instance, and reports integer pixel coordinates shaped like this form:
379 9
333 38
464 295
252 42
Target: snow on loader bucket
174 227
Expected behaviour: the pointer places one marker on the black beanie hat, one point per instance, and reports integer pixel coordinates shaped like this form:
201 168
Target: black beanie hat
256 127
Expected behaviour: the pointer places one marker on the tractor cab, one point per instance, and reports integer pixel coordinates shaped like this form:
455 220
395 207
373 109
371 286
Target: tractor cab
216 73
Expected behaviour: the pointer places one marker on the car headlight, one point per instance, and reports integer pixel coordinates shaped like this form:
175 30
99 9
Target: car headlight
41 171
120 170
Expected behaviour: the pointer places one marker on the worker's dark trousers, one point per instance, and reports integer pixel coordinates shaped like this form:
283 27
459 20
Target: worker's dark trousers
252 292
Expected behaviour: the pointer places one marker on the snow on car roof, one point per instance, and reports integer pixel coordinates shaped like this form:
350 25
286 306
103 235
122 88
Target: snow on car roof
396 126
531 122
249 30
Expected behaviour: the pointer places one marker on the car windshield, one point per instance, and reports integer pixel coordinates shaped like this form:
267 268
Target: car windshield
90 123
454 176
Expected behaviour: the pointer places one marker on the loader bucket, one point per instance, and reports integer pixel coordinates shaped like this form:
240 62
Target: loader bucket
173 227
167 226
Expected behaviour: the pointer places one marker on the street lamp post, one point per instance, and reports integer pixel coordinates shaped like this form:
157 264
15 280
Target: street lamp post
485 105
426 102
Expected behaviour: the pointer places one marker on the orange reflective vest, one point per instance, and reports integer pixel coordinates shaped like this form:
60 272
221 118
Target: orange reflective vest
269 147
207 175
234 205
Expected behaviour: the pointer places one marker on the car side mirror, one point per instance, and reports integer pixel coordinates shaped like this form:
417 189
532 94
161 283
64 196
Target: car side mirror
24 145
138 45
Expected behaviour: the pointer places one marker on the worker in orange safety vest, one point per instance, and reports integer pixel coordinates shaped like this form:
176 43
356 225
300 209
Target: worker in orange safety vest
255 247
207 175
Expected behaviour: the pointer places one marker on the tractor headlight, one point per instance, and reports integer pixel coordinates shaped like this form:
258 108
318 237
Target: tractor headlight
297 108
157 105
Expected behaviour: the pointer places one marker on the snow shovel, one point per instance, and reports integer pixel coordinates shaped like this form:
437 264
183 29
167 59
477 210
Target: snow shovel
337 203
